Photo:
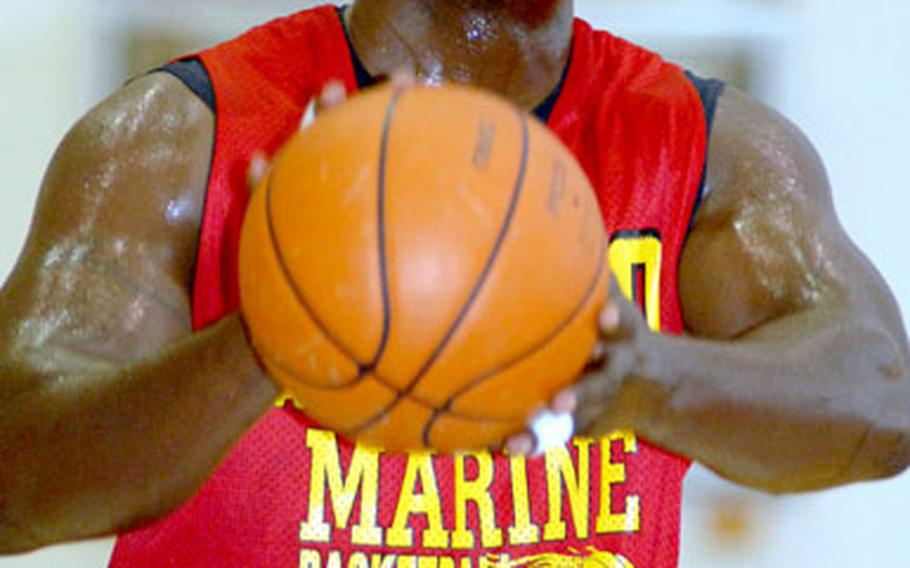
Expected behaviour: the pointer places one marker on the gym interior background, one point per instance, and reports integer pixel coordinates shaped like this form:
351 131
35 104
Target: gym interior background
837 68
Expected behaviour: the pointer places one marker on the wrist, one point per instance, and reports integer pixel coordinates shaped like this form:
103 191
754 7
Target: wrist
247 335
648 391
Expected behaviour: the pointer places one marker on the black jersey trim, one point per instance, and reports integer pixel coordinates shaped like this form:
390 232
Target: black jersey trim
545 109
366 80
193 74
709 91
363 77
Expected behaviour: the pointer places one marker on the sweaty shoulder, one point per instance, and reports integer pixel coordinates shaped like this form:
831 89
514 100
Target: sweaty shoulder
134 166
767 229
756 151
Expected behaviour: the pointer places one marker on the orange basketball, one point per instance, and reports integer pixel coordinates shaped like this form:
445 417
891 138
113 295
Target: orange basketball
424 268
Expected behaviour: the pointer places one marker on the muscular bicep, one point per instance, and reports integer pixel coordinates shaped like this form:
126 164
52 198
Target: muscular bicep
103 278
767 242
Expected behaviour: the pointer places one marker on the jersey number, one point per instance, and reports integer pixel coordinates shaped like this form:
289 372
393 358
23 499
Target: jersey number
635 260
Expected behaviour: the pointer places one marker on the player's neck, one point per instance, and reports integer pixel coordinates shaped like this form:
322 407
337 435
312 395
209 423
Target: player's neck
517 48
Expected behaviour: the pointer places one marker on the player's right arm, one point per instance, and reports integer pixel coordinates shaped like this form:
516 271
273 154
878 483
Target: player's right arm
112 412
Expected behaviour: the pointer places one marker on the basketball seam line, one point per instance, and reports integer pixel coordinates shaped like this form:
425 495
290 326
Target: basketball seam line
536 348
380 221
478 287
367 371
363 370
279 256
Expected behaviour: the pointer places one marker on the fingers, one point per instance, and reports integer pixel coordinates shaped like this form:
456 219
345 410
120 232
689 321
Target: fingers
565 402
547 431
595 393
555 426
403 78
309 116
333 94
520 445
610 319
257 170
611 361
598 356
611 315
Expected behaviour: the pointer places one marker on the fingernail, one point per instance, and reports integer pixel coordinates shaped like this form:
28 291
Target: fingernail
309 117
258 168
402 78
333 93
609 318
565 402
520 446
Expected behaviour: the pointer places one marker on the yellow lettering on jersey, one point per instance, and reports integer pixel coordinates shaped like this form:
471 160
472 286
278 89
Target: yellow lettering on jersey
561 471
478 491
285 398
380 561
310 559
612 474
428 562
420 468
642 251
358 560
495 561
406 562
633 255
523 531
334 560
325 473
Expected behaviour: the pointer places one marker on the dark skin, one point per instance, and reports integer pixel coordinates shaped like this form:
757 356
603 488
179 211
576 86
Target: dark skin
793 375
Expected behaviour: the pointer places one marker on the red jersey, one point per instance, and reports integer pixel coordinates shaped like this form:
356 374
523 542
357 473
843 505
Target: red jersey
292 494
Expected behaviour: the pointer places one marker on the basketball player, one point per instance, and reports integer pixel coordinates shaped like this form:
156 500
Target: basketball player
130 398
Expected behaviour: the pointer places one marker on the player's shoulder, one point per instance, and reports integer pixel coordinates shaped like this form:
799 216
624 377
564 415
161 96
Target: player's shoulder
285 52
144 147
624 63
626 76
756 151
746 120
296 31
153 106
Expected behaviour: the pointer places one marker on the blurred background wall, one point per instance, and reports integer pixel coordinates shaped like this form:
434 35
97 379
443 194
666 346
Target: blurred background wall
838 68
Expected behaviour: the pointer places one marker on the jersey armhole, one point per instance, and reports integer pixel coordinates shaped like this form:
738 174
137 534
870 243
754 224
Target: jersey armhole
192 73
709 91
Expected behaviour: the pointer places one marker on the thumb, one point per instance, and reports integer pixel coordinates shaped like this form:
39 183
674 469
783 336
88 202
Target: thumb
257 170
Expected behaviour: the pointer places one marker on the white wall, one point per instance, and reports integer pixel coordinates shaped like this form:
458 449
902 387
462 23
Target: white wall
840 71
45 51
849 87
845 80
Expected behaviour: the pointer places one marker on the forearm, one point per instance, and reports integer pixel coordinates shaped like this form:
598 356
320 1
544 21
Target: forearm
90 455
793 406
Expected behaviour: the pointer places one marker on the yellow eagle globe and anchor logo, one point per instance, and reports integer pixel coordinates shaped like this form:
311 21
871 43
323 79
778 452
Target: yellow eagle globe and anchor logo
590 558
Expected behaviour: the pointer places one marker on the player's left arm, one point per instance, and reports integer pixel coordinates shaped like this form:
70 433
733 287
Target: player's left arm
794 374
